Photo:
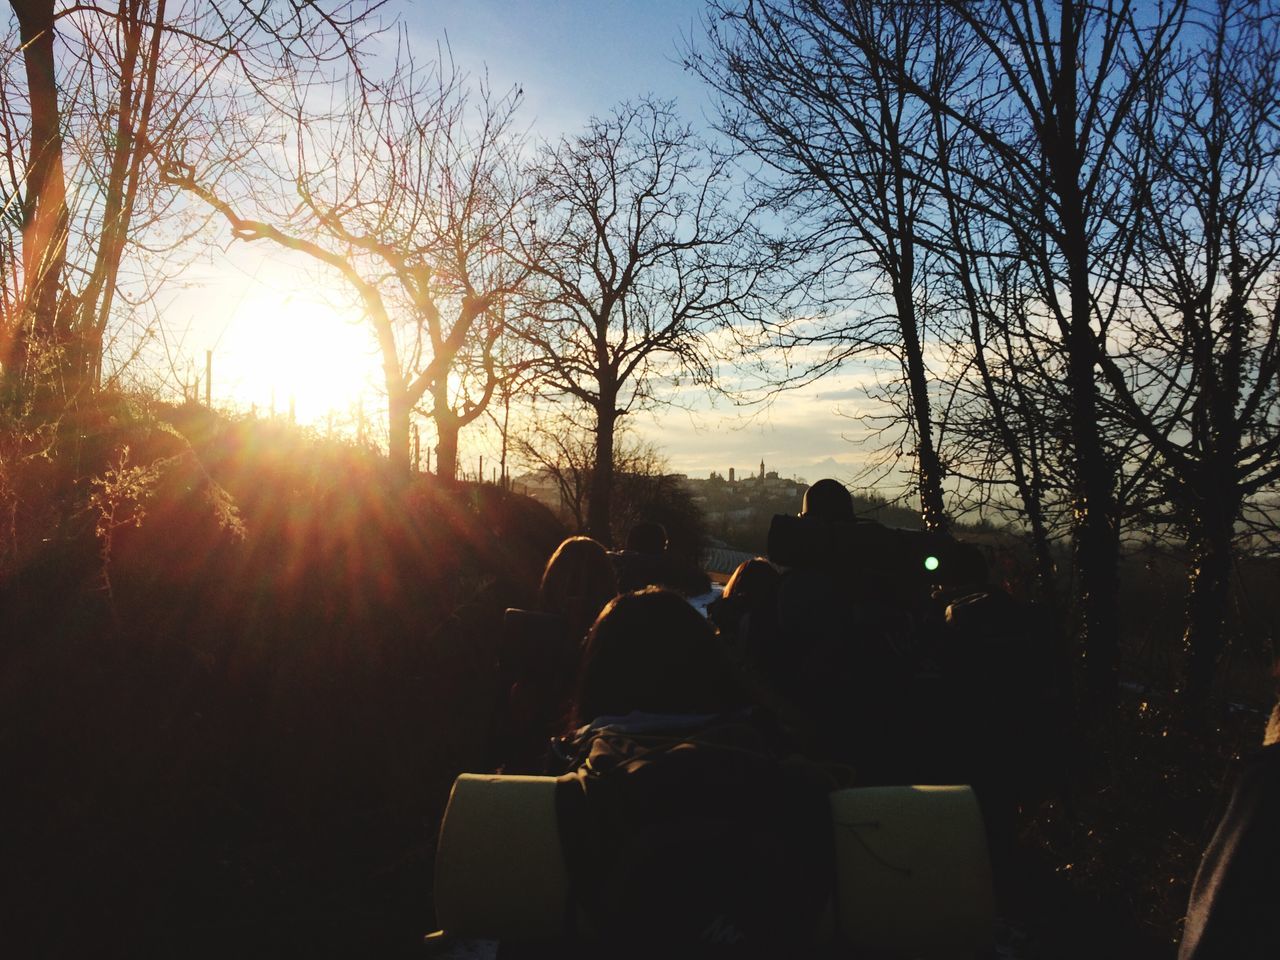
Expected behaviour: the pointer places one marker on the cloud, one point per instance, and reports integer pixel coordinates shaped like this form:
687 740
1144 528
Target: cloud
852 393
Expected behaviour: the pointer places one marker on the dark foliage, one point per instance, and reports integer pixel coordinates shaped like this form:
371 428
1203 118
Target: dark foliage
235 736
231 728
661 499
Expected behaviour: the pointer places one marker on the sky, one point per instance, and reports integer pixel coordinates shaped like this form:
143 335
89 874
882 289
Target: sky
573 59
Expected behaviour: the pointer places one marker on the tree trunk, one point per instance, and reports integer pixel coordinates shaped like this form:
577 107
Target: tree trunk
399 452
929 469
1046 589
448 426
1097 541
1215 500
928 466
599 502
1208 590
137 98
506 419
446 448
44 204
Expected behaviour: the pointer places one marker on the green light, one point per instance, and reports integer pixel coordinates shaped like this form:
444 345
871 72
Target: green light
932 563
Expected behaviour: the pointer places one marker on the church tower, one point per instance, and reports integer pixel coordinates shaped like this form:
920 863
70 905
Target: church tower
762 469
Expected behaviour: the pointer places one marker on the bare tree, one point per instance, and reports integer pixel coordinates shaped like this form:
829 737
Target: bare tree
43 204
102 85
408 193
562 451
1199 377
844 143
1024 117
1049 102
638 249
1003 414
516 371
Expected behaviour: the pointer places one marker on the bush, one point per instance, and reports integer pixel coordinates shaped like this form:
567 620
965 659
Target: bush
241 667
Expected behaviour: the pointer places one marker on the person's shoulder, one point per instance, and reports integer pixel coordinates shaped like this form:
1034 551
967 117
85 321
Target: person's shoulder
1260 774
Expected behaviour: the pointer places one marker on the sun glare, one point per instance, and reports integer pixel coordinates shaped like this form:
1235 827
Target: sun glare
296 352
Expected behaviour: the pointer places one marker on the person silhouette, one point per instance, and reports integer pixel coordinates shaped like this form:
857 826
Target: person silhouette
1232 911
646 562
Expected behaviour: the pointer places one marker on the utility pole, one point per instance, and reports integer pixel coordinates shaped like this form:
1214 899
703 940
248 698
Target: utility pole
208 378
506 419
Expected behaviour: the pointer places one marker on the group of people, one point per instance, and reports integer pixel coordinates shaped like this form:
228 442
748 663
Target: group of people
875 676
854 666
612 633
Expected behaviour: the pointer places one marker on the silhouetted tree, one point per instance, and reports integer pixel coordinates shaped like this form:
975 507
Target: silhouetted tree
560 450
638 248
1048 101
804 87
407 193
1004 410
643 489
102 85
1199 377
42 188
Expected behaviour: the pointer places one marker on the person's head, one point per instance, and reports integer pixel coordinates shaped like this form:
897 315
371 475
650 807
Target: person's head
651 651
647 537
578 580
827 500
755 580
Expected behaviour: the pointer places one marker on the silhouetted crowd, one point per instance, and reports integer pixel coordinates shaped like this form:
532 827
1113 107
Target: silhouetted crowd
854 655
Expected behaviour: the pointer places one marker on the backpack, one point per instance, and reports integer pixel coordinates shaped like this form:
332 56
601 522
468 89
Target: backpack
694 836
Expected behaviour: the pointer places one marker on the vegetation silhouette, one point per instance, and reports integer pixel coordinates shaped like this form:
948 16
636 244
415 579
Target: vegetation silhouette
243 744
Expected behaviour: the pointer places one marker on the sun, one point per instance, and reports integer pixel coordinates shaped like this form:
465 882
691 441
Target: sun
302 351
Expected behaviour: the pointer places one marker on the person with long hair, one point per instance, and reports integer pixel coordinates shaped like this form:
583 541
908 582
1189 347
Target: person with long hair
540 652
651 652
577 582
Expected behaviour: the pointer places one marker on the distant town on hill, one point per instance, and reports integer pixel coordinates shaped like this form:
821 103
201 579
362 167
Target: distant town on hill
738 507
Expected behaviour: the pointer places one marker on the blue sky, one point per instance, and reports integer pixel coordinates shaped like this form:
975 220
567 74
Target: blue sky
573 58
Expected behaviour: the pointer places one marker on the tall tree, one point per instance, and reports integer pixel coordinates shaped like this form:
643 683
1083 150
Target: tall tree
408 194
1039 93
102 85
1199 377
563 452
843 143
1003 412
638 248
43 205
1049 102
